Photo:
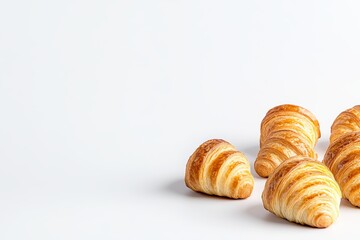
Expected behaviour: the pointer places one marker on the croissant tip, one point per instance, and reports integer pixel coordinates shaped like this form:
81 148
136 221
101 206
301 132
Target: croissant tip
263 170
245 191
323 221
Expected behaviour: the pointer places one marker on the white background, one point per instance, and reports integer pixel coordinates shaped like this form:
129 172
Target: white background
102 103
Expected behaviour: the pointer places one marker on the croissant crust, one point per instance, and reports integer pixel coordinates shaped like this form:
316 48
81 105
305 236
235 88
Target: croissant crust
304 191
286 131
217 168
343 159
346 122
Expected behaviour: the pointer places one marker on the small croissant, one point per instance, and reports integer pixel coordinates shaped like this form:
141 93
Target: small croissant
217 168
286 131
343 159
304 191
345 122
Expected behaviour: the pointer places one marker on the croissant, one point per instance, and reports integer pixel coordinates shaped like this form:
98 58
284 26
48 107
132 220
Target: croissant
345 122
286 131
217 168
304 191
342 158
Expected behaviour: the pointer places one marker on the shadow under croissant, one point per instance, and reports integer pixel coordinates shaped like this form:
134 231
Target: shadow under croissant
346 203
178 187
322 145
257 212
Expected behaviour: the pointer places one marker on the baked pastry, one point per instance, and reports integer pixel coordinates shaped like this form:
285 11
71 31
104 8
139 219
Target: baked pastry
286 131
345 122
343 159
304 191
217 168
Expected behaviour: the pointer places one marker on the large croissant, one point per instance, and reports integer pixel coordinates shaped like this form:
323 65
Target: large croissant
303 190
343 159
286 131
345 122
217 168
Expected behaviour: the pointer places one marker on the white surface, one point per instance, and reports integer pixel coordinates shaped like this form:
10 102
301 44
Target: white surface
102 102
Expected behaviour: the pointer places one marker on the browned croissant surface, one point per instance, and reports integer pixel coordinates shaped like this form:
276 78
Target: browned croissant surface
345 122
217 168
303 190
343 159
286 131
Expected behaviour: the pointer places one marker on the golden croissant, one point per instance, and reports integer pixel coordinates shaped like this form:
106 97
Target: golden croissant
343 159
286 131
304 191
217 168
345 122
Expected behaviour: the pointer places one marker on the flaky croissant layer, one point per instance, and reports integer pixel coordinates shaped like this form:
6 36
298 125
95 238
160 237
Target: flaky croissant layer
286 131
217 168
343 159
346 122
303 190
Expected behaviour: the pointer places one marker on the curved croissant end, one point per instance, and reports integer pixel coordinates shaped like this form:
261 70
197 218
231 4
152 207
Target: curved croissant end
286 131
346 122
217 168
304 191
343 159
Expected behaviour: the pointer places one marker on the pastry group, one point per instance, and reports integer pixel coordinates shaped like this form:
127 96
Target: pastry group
299 187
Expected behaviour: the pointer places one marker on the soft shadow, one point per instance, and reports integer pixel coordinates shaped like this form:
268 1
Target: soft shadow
322 145
346 203
178 187
257 212
321 148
